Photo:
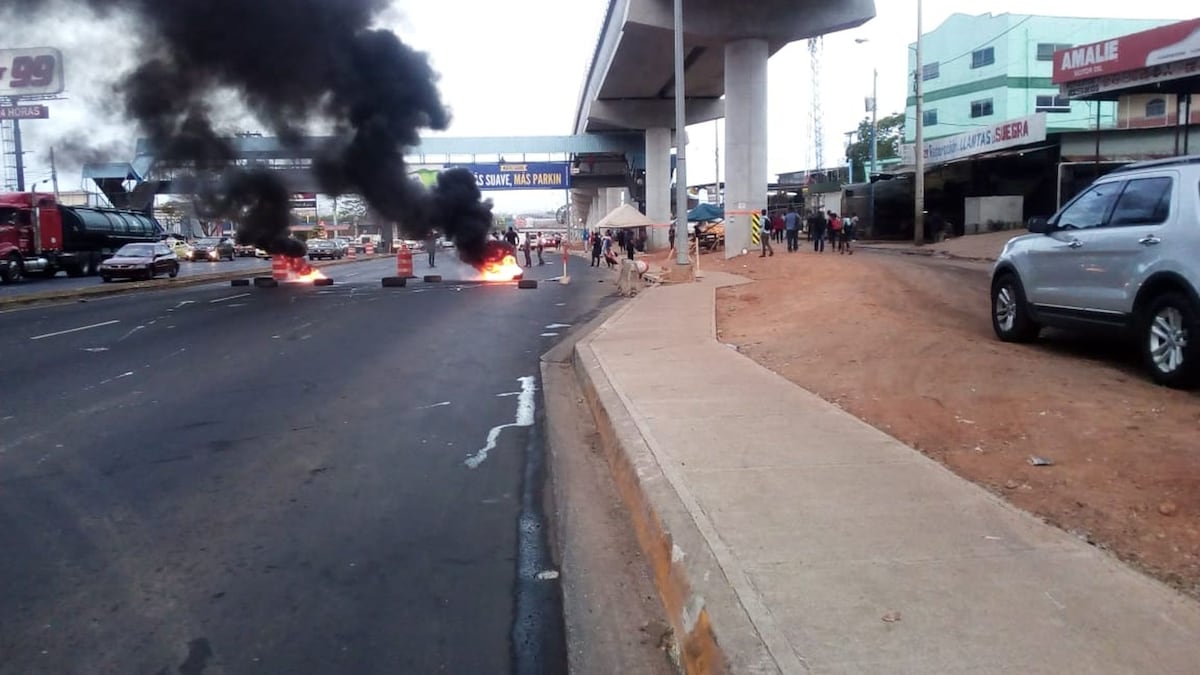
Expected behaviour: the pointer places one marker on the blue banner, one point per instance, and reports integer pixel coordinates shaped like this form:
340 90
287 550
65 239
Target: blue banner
521 176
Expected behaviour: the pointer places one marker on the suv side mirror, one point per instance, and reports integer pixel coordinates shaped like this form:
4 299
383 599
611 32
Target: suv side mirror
1038 225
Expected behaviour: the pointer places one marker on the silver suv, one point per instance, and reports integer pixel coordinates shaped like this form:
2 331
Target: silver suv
1122 256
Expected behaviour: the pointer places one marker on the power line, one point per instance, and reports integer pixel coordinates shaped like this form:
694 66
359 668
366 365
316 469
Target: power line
985 44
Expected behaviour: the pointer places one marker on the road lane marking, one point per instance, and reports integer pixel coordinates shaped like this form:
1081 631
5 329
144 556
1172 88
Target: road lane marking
524 418
556 326
76 330
232 297
549 334
130 333
435 405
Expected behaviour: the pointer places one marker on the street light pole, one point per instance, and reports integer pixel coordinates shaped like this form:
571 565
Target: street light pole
681 199
919 146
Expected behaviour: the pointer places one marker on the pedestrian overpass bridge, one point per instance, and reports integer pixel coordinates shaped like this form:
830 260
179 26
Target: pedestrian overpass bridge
624 119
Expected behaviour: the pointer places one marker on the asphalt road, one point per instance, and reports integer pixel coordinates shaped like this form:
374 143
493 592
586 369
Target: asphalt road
63 282
294 480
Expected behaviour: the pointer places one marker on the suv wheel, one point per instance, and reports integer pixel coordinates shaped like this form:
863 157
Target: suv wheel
1168 335
1010 312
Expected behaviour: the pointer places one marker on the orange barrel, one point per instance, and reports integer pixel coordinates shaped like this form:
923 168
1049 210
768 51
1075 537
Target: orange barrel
370 248
279 267
352 251
404 263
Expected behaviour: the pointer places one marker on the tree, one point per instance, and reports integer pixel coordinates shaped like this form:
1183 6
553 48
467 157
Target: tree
891 130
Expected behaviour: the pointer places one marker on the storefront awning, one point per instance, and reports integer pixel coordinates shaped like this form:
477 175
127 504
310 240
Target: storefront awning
1163 60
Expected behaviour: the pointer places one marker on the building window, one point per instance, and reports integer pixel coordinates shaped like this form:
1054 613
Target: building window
1156 108
929 117
1045 50
983 57
930 71
981 108
1050 103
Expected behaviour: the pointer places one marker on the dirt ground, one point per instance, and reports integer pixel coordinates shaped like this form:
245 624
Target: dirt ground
905 343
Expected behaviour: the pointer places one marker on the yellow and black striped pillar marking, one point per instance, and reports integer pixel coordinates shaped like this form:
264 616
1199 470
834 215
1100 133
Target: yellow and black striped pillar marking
755 224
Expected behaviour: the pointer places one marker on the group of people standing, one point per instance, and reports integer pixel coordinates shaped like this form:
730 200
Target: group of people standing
819 226
531 242
604 245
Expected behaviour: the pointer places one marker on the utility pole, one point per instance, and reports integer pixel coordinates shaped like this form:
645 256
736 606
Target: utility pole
717 162
19 155
53 175
874 145
681 198
919 149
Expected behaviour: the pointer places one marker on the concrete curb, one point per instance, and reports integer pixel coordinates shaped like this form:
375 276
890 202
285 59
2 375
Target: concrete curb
927 252
178 282
714 633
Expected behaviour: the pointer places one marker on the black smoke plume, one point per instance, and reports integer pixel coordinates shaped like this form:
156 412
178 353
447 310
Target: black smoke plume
294 63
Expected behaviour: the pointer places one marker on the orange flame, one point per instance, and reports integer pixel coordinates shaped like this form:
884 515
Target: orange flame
505 270
300 271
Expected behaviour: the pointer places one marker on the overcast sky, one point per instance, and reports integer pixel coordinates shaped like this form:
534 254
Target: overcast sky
516 68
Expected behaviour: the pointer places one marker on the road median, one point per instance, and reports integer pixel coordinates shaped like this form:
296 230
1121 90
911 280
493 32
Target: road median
101 289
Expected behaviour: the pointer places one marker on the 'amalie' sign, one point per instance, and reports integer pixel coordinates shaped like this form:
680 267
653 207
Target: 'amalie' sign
1010 134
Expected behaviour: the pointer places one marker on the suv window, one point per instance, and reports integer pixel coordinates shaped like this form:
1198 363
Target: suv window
1145 201
1091 208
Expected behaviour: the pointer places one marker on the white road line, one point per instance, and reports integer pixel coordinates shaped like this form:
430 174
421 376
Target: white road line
524 418
435 405
232 297
76 330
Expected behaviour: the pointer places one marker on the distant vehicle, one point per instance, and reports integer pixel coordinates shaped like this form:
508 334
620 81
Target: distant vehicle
140 261
260 253
1120 257
212 249
180 248
243 250
323 248
343 245
40 237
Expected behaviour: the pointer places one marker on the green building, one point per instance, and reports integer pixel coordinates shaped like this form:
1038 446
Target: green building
983 70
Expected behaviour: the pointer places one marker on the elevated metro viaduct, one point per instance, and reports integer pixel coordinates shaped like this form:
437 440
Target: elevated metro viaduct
630 88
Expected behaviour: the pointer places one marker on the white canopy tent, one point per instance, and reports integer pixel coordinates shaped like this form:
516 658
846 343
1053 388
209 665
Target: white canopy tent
623 217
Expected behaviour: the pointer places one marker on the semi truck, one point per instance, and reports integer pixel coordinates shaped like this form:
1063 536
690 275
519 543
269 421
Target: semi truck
40 237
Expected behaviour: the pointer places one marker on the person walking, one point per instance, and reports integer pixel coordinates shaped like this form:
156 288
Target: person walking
511 237
791 223
541 246
597 249
764 235
848 227
630 245
777 227
817 227
835 231
526 248
431 247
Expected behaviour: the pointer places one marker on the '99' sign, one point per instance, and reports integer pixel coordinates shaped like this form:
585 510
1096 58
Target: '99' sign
30 72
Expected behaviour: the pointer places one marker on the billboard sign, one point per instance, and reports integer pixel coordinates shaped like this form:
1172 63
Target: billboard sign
1147 49
1010 134
37 71
24 112
1129 79
523 176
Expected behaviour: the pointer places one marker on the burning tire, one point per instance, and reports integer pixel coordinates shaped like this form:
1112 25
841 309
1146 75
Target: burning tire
265 282
239 282
433 278
527 283
322 281
395 282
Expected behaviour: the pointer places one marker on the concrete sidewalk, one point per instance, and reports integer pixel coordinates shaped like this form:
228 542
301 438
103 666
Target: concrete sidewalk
788 536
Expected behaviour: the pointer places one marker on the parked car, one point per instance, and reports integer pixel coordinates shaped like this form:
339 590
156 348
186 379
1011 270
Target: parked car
212 249
140 261
243 250
323 248
261 253
343 245
1123 257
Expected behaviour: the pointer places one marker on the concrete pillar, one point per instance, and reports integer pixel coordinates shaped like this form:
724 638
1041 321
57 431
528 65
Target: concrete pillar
745 139
658 184
616 197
